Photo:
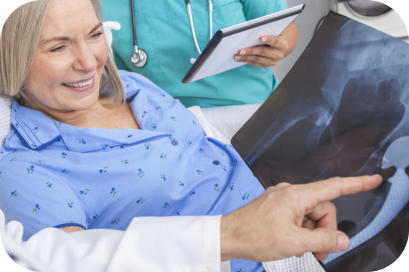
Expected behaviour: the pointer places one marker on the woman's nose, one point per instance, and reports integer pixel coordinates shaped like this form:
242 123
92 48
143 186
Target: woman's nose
85 59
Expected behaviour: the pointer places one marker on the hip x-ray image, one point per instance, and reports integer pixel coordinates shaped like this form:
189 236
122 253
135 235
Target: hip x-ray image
342 110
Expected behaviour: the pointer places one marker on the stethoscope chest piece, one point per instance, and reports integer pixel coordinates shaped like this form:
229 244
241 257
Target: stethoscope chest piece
139 58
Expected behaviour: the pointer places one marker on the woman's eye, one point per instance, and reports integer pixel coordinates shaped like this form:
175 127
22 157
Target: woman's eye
96 35
57 49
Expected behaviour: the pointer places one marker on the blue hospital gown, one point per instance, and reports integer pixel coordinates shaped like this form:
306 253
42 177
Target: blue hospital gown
54 175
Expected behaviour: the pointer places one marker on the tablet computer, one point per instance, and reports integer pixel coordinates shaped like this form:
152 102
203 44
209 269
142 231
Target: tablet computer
218 55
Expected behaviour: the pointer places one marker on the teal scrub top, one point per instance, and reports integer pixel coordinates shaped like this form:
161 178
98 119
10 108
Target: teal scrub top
163 30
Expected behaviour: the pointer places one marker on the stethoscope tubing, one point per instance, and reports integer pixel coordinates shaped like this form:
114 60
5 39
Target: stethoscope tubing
135 42
192 26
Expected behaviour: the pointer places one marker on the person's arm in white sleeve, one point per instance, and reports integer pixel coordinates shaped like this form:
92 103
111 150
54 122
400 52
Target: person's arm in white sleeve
148 244
286 220
177 244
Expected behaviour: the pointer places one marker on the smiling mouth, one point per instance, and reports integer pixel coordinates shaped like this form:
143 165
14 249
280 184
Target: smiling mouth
80 84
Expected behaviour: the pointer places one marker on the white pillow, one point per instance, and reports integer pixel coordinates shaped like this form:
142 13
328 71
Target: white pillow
108 27
4 118
223 122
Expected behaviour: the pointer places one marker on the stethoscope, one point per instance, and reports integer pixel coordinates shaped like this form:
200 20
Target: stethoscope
139 57
192 26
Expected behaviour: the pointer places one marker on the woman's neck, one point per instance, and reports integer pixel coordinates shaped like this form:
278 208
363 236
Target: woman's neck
100 115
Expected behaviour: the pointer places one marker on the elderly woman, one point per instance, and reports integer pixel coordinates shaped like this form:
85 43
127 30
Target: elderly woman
90 148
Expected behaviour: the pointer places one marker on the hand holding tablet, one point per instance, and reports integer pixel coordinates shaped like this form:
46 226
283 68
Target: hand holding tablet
218 56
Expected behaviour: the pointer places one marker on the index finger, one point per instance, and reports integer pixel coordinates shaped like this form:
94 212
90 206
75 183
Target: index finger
332 188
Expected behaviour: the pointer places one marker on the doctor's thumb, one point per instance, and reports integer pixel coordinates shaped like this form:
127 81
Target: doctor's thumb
323 240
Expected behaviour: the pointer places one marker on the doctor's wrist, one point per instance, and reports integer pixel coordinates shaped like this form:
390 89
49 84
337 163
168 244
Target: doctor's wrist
227 244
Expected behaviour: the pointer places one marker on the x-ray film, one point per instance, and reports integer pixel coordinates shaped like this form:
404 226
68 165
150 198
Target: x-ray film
342 110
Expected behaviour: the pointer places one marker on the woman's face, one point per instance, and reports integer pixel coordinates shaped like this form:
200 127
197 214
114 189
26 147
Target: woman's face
66 71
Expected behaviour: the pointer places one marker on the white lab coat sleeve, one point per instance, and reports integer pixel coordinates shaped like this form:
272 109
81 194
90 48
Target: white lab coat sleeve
148 244
175 244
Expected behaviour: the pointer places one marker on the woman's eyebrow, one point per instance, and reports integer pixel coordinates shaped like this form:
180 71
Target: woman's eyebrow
96 27
65 38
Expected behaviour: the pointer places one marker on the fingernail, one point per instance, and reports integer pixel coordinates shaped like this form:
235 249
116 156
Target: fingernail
237 57
242 52
263 39
342 243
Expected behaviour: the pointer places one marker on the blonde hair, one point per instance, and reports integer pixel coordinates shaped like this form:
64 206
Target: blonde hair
18 44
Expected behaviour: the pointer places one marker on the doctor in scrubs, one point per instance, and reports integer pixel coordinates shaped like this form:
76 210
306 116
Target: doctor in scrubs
173 33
